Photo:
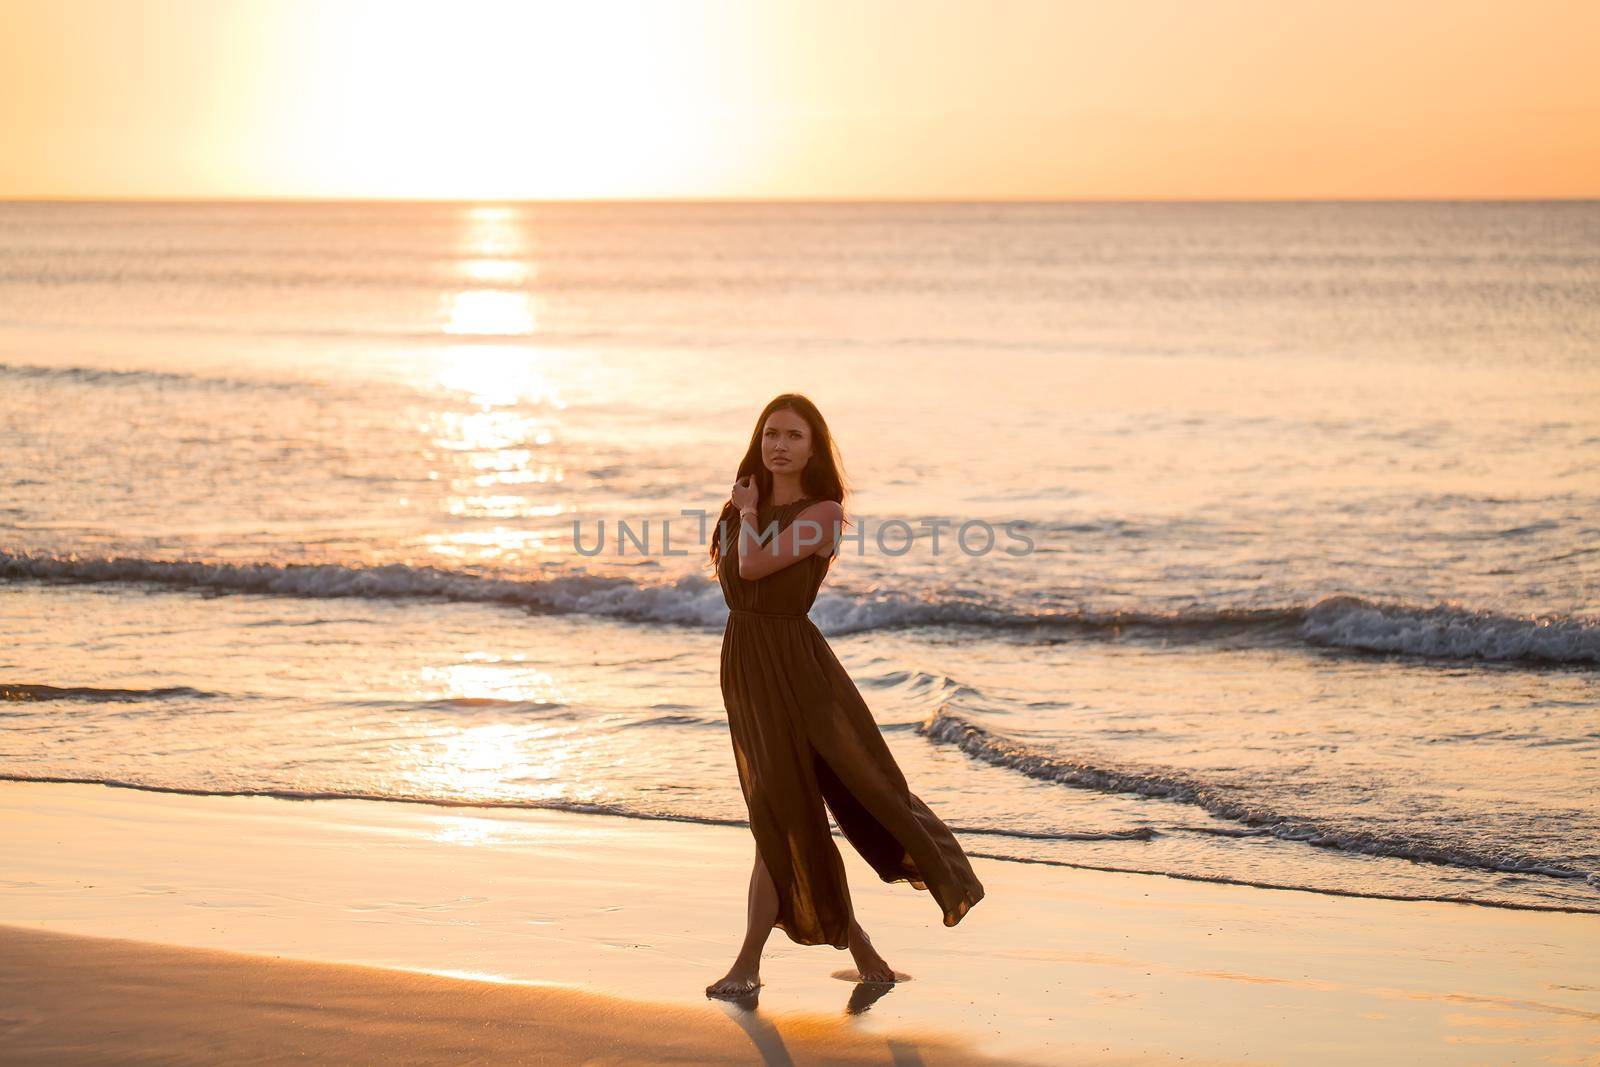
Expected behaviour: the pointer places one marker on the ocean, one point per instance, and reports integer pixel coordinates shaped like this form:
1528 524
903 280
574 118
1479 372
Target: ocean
323 500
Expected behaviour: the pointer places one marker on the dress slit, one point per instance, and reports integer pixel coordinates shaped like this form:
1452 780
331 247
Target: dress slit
882 850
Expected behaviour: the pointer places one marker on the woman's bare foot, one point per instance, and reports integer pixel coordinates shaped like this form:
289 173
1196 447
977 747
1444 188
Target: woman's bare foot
736 983
869 964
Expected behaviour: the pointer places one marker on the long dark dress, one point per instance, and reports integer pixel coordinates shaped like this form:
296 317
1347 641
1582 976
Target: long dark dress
803 735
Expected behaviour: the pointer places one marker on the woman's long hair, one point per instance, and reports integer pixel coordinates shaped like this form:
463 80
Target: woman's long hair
821 479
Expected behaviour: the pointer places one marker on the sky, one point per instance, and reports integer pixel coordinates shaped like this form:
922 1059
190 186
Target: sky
815 99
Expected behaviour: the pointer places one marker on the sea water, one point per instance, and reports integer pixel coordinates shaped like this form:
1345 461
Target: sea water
302 499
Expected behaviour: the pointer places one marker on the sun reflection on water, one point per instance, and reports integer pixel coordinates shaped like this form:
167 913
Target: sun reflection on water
478 431
503 506
498 271
497 264
499 375
490 313
501 542
488 679
537 752
499 476
533 762
495 455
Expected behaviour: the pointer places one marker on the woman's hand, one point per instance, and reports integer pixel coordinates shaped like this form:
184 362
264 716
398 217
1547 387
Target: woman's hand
745 494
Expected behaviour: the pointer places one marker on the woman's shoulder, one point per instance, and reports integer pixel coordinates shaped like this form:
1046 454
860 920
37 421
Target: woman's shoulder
822 504
829 515
821 510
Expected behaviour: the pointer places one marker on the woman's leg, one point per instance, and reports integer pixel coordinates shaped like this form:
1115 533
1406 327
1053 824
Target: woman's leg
847 811
871 966
745 973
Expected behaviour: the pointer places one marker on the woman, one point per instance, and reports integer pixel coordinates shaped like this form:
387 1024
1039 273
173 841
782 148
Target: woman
802 735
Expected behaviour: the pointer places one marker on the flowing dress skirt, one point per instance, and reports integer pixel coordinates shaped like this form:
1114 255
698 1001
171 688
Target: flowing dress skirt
803 737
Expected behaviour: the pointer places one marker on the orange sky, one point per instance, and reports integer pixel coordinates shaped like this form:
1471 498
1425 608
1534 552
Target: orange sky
814 98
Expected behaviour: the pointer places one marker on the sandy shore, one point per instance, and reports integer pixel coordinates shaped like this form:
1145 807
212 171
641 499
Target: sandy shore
427 934
72 999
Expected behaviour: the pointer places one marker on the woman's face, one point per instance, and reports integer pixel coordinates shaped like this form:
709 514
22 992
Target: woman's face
785 443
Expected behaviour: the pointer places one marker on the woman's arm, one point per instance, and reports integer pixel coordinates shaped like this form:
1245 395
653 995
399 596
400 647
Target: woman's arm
810 533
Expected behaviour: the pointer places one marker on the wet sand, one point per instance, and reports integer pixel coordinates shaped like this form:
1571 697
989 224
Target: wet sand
71 999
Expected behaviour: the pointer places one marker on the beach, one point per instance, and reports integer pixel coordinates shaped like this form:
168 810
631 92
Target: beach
435 934
503 503
134 1002
1222 574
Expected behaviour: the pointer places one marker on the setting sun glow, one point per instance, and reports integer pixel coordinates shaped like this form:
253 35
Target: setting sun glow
501 100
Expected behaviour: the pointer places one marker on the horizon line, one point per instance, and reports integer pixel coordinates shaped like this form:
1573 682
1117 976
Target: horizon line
802 200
